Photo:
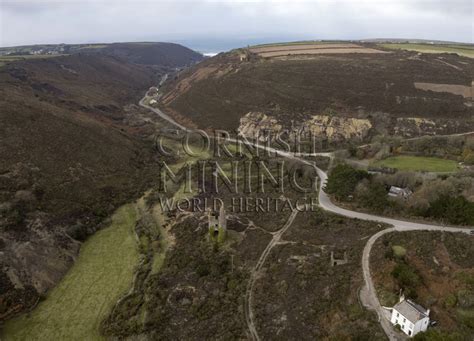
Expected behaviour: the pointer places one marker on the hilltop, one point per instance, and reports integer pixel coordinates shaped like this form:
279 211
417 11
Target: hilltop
357 90
147 53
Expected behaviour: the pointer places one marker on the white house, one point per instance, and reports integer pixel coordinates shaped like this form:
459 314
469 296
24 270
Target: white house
411 317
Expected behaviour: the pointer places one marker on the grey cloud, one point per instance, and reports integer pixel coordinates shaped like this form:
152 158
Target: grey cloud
230 23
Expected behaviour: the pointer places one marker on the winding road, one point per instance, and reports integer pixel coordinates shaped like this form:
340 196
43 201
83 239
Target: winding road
368 295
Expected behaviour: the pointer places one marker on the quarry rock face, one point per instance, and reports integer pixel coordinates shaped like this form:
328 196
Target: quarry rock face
332 128
339 128
416 126
253 125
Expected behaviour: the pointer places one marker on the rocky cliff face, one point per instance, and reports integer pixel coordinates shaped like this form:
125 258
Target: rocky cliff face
332 128
256 125
339 128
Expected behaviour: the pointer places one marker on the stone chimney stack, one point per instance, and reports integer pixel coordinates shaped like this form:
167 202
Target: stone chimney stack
402 297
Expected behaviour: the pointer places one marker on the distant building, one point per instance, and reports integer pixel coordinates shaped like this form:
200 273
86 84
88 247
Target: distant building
334 261
411 317
217 224
398 192
244 56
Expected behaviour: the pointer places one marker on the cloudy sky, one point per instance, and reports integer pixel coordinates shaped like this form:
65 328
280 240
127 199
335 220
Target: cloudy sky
210 25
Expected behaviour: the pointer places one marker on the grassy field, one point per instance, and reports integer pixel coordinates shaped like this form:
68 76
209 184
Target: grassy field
418 163
103 271
462 50
13 58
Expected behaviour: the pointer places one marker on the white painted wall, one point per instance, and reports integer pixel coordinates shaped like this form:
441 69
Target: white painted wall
407 327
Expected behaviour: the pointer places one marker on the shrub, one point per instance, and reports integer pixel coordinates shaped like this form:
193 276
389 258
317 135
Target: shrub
450 301
399 251
375 197
407 278
455 210
465 298
343 180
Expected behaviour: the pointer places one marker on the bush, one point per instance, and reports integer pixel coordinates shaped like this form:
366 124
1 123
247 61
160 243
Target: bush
455 210
407 278
343 180
399 251
374 197
465 298
436 335
450 301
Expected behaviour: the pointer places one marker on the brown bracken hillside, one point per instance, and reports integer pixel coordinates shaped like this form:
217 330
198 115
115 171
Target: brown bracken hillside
383 88
69 157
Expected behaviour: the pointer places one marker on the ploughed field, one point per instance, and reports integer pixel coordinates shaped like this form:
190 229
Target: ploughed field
465 50
310 49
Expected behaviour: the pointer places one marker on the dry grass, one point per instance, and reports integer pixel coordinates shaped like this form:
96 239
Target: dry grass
456 89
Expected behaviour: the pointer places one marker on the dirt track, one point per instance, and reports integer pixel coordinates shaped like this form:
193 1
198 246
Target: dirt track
255 273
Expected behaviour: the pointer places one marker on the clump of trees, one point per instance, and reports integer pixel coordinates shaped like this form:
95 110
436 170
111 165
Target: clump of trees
343 181
407 278
459 148
455 210
444 198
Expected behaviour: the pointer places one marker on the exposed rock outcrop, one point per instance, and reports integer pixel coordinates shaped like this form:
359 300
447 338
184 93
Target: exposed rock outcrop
333 128
336 128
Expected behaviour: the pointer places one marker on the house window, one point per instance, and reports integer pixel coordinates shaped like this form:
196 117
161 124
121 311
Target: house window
404 320
409 333
398 315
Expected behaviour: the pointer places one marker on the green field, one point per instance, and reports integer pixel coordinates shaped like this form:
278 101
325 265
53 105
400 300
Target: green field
103 272
418 163
462 50
13 58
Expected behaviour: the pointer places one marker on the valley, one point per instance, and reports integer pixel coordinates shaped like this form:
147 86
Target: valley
275 275
74 149
101 274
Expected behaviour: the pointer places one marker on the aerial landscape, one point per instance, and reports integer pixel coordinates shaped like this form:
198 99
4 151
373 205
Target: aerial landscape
236 178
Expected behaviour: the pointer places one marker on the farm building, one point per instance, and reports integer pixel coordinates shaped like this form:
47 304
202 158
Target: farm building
398 192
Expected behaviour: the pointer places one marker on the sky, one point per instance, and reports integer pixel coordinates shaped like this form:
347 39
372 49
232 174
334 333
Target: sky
213 26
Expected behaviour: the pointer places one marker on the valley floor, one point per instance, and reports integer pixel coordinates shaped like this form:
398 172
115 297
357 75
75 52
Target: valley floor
103 271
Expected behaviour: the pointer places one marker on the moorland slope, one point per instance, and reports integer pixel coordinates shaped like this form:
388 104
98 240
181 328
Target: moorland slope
343 96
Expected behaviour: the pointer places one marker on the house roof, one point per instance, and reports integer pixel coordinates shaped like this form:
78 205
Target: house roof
411 311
